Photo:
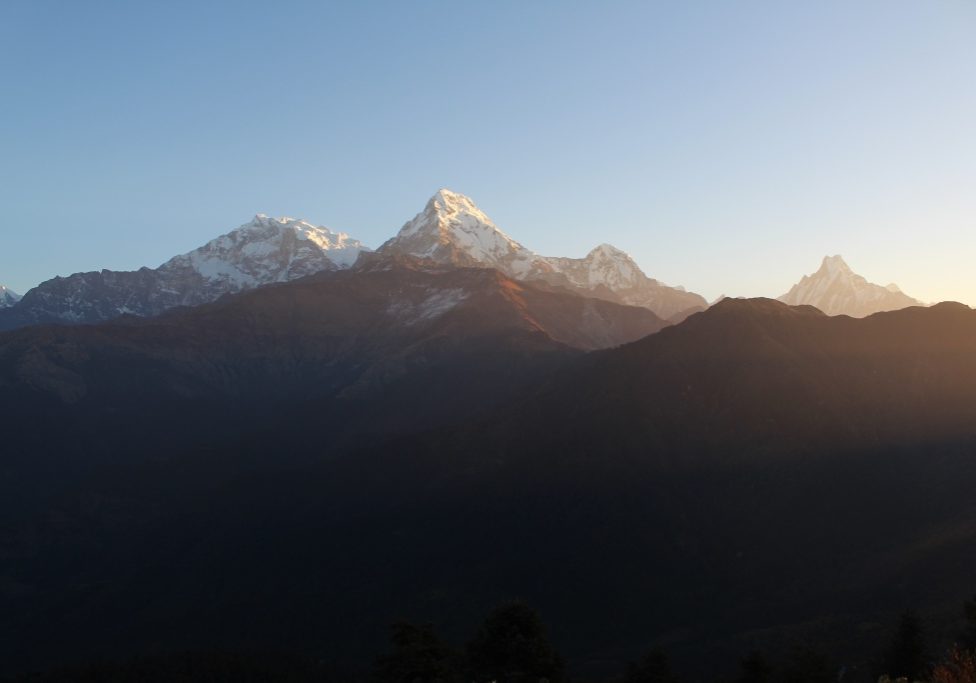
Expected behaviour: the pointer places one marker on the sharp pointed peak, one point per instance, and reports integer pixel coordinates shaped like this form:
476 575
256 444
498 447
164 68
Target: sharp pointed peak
449 206
835 264
446 198
448 193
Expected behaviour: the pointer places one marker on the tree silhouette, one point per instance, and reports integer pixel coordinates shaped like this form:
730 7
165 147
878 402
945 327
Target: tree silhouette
653 667
512 647
754 669
418 656
906 655
969 635
807 666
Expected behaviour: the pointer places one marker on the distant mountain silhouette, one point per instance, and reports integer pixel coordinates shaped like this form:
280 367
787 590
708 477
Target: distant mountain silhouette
837 290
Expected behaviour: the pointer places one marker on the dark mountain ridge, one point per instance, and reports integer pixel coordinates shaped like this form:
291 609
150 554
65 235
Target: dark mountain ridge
757 474
443 342
758 369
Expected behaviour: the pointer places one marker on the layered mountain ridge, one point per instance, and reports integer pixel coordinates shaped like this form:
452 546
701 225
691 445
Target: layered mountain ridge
837 290
741 465
342 332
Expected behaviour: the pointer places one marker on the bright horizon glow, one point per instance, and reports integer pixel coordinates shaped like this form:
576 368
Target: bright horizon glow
727 148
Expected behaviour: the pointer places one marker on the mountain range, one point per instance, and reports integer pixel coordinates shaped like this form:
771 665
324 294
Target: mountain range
263 251
451 230
288 441
340 335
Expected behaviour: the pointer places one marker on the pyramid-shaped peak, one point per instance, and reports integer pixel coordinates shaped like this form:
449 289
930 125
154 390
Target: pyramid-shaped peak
449 199
451 229
835 264
837 290
448 194
449 206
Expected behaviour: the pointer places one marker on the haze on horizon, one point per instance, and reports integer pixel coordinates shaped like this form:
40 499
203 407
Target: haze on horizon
726 147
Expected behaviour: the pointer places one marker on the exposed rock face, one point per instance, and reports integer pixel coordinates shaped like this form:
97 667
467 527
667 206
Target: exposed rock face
837 290
452 230
263 251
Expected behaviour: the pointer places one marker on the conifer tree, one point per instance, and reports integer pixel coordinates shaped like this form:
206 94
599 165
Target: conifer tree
754 669
907 654
512 647
418 656
654 667
807 666
969 635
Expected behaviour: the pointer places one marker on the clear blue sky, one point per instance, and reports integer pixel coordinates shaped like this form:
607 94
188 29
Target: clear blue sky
726 145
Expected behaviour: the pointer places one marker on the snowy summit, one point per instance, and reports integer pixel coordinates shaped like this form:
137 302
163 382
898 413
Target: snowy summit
263 251
452 230
267 250
837 290
8 297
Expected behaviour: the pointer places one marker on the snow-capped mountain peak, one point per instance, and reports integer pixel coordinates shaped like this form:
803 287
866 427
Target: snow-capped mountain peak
837 290
454 203
282 245
606 250
604 268
612 267
453 230
266 250
343 248
447 211
263 251
835 264
8 297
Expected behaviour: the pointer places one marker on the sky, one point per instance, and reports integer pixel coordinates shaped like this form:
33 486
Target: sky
727 146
